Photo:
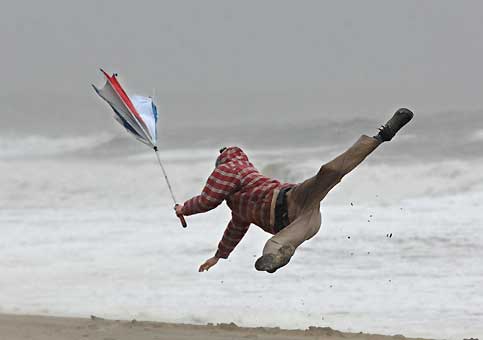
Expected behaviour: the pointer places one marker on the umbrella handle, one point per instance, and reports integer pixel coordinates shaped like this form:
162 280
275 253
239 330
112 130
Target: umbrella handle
183 221
181 217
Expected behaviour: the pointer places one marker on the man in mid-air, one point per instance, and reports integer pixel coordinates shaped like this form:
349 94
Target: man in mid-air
290 212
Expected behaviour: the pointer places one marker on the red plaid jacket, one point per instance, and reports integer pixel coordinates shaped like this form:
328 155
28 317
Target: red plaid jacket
247 193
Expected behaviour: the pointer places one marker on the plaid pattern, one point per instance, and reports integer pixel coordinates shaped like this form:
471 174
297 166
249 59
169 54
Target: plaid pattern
247 192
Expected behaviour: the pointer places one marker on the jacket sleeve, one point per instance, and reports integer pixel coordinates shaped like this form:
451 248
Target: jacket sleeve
223 181
233 234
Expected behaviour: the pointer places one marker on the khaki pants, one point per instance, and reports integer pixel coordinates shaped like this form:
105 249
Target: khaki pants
303 200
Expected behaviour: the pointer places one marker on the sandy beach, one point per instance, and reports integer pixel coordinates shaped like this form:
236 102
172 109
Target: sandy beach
20 327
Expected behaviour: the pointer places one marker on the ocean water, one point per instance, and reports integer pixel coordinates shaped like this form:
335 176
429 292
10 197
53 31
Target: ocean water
87 227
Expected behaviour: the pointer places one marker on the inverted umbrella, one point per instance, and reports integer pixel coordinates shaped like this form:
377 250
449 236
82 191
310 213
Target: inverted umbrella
138 115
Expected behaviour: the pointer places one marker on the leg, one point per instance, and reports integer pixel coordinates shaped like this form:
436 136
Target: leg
312 191
279 249
308 194
302 229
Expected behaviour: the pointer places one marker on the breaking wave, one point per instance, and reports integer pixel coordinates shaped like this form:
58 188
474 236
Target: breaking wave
31 147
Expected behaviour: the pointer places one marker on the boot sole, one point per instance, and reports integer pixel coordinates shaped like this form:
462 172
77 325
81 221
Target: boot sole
271 262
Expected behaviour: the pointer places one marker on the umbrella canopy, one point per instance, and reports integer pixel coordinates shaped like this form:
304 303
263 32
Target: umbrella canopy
137 114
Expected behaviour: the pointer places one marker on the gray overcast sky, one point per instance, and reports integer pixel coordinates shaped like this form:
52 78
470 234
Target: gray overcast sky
332 56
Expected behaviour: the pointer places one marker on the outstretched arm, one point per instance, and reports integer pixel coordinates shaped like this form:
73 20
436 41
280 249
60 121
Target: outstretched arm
222 182
233 234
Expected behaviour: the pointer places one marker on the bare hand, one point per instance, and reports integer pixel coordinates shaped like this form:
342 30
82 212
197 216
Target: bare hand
208 264
179 209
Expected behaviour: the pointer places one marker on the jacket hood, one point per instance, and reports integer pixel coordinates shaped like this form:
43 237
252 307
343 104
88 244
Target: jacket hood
230 154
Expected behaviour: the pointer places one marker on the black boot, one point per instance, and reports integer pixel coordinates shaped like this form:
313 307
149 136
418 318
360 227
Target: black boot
400 118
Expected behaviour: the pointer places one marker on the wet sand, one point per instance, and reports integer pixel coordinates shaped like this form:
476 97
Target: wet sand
20 327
